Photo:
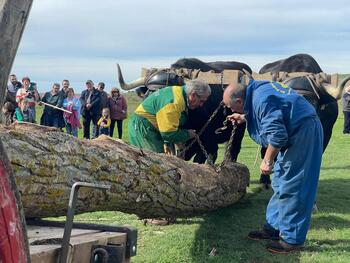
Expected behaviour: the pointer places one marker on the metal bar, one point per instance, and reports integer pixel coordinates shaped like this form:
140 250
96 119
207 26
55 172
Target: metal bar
73 198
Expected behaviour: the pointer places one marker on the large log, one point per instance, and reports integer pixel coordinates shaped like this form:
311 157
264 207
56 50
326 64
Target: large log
47 162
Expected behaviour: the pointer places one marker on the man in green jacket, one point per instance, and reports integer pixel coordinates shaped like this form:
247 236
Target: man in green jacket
158 119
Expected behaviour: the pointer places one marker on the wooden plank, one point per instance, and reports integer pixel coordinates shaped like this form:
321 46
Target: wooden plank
35 233
81 245
233 76
81 241
44 253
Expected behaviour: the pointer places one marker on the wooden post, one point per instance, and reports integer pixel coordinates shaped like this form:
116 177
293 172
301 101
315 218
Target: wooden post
13 17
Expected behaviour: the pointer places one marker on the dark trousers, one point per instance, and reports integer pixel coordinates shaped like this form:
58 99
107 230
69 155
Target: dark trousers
86 124
119 126
346 122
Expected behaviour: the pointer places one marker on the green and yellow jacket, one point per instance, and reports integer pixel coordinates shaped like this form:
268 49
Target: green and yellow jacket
166 111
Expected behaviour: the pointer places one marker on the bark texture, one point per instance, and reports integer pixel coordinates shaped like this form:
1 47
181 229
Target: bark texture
47 162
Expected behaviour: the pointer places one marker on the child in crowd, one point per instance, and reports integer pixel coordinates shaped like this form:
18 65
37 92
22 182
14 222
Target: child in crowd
22 112
72 121
104 122
7 111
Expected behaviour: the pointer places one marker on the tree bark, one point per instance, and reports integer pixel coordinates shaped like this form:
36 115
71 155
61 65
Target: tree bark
47 162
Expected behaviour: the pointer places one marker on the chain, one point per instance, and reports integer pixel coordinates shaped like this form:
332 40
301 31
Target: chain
202 130
209 160
228 149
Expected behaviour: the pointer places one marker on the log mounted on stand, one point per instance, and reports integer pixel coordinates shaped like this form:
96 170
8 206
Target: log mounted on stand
47 162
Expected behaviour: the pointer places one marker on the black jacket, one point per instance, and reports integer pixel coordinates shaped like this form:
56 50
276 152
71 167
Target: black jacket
95 102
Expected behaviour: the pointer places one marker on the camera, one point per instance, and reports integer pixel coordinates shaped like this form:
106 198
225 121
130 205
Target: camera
30 93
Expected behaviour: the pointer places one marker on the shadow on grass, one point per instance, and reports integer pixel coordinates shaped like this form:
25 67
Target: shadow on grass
330 222
329 245
345 167
226 230
333 196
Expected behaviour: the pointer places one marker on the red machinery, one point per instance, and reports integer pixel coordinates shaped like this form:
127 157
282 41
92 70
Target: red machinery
13 241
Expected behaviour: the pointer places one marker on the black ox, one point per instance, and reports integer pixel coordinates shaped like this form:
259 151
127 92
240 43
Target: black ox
197 118
314 88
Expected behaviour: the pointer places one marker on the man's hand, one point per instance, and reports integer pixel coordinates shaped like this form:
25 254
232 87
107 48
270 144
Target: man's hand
266 167
192 133
236 118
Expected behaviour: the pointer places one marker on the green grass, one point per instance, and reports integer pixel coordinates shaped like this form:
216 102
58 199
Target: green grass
191 239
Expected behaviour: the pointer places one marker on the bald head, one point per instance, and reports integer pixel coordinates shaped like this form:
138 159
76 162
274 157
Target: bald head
234 96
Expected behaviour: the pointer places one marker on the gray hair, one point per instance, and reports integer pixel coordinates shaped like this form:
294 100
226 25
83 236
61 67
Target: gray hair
198 86
238 93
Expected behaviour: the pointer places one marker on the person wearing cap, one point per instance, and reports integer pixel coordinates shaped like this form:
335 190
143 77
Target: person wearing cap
158 120
90 109
118 110
286 124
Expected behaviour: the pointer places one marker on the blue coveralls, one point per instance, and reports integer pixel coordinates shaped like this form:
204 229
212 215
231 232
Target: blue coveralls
278 116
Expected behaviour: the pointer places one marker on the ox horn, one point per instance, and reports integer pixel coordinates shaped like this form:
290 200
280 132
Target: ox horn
248 74
336 92
131 85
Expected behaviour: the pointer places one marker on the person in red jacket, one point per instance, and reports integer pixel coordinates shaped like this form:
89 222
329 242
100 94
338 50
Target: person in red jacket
118 111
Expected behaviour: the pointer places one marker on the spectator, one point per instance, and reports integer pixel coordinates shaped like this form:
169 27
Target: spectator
65 86
72 121
22 112
90 109
104 122
52 117
10 96
118 108
346 110
103 94
29 93
7 111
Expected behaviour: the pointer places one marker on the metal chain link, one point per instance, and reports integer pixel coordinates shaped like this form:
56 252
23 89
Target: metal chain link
209 160
202 130
228 149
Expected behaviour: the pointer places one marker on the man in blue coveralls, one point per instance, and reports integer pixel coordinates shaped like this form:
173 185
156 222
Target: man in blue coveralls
284 122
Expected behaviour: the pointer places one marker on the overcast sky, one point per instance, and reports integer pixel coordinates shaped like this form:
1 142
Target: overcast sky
84 39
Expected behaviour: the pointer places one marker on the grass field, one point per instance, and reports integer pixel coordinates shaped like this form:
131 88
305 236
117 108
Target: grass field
192 239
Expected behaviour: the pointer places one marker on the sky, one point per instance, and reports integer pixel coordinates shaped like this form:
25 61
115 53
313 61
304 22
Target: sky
84 39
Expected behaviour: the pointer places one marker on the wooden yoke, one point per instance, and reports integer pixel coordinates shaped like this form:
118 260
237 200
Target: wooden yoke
229 76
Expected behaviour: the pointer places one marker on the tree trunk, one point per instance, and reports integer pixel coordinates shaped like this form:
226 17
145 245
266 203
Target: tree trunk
47 162
13 17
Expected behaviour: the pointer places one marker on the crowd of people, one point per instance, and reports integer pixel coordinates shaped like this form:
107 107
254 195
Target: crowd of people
63 109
